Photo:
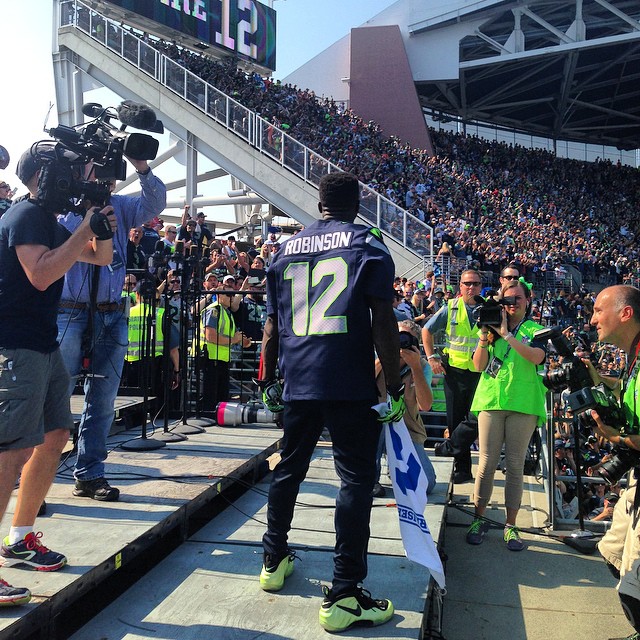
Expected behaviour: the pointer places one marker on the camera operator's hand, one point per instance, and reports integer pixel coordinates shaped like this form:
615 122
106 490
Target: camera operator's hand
412 357
610 433
99 223
141 166
436 365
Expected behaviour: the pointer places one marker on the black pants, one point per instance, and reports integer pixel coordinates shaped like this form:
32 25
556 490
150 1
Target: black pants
354 433
215 383
459 387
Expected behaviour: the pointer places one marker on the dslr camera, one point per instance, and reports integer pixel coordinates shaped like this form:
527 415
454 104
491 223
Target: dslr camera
601 399
572 373
62 185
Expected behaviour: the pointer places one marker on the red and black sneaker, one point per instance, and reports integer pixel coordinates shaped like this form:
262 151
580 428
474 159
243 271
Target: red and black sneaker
31 553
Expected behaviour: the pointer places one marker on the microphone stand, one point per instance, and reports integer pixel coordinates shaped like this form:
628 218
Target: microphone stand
147 352
198 277
186 428
169 435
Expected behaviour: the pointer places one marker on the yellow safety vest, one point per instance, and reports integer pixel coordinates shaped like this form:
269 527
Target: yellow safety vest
226 327
137 318
461 336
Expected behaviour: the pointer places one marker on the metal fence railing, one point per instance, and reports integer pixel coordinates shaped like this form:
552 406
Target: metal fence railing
262 135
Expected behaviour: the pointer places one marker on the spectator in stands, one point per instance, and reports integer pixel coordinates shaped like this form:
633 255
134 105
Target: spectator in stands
150 236
460 374
5 197
510 403
170 236
136 257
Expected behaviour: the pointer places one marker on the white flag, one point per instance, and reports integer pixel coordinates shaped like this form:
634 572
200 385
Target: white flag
410 491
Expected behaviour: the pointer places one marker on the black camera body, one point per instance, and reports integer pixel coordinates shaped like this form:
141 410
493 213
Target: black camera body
62 185
488 312
572 373
601 399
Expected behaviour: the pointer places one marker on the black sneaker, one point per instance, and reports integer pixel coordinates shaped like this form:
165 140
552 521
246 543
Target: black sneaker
30 552
351 609
378 491
97 489
12 596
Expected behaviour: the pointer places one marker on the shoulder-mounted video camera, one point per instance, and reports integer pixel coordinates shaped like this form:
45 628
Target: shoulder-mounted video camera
62 185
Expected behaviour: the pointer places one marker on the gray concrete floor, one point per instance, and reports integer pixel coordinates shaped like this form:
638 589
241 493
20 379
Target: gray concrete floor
547 592
208 588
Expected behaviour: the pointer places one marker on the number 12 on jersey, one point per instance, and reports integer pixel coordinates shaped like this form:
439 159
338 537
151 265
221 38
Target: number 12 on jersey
332 275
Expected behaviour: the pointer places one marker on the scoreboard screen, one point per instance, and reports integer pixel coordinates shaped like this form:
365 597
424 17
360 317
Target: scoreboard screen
245 27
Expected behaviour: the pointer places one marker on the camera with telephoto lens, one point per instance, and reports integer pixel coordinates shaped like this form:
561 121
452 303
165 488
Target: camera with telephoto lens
62 185
231 414
572 373
601 399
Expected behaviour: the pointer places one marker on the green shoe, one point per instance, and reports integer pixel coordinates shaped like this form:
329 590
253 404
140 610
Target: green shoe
475 533
512 538
351 609
275 572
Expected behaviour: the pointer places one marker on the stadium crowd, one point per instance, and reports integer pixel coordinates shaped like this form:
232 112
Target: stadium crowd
494 203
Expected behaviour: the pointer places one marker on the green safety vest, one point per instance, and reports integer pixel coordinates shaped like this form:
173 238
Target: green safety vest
462 337
137 317
517 385
226 327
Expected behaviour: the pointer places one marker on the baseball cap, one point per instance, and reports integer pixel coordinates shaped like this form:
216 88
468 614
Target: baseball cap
558 444
611 496
228 278
438 290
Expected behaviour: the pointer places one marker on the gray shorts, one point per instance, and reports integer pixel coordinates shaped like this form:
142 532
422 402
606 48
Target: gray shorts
34 397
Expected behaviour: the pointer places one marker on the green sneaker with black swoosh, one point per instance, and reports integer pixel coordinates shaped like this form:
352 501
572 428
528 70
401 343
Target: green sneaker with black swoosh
275 571
356 608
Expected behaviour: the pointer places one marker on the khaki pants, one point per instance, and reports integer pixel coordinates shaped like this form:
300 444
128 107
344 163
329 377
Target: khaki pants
514 430
620 546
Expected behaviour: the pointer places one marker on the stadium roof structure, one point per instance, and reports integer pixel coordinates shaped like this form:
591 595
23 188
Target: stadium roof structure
560 69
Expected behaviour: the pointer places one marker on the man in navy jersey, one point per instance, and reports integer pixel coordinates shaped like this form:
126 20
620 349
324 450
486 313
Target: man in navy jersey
329 302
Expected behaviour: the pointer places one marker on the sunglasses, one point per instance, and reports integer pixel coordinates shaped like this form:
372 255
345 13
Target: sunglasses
510 277
4 186
471 284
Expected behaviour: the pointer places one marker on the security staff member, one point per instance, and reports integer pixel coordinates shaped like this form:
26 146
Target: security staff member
460 376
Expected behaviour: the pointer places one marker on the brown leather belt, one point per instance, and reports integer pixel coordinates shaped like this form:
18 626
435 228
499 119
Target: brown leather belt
103 307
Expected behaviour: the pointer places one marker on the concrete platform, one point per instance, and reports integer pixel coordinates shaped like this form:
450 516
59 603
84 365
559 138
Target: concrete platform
208 586
547 592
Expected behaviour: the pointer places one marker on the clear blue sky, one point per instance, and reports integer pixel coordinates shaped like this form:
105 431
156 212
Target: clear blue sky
304 28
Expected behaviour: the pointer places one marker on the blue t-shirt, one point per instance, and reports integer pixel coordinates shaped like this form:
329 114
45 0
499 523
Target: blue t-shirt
318 285
28 316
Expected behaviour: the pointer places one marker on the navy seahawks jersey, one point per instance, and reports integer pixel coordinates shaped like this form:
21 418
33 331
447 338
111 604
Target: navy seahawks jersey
318 285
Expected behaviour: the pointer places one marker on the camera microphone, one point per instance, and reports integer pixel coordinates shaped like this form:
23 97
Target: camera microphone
179 248
133 114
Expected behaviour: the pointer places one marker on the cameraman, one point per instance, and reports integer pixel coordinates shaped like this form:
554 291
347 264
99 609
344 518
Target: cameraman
616 317
99 335
35 253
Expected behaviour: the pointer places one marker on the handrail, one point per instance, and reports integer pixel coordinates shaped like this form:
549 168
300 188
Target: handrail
262 135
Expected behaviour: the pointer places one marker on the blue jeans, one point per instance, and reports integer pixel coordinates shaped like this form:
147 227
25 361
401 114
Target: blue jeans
423 458
109 349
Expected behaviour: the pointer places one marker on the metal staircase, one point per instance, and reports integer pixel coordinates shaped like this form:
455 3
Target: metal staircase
268 160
